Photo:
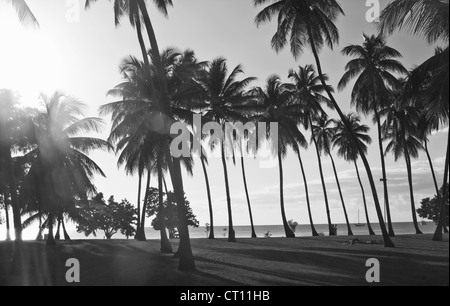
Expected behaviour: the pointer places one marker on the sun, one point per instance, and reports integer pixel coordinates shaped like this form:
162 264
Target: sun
29 60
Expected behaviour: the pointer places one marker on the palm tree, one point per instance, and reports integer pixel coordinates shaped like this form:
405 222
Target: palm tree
347 149
428 18
323 132
309 96
400 130
61 172
204 161
24 12
374 64
225 100
276 103
186 257
310 23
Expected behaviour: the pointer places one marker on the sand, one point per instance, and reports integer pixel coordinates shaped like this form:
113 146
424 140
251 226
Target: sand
330 261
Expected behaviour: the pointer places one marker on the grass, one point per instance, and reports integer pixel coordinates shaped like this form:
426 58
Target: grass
268 262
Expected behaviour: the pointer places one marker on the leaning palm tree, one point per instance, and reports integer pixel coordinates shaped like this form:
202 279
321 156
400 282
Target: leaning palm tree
400 130
347 149
24 12
308 93
427 18
61 171
324 131
310 23
186 257
276 103
225 102
374 64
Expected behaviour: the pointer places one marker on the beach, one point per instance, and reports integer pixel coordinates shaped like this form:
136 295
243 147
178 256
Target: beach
328 261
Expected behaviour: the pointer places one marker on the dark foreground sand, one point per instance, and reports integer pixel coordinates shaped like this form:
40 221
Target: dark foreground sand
302 261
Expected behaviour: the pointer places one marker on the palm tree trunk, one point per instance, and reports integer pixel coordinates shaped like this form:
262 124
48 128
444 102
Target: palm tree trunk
142 43
248 198
140 236
187 262
436 185
58 234
331 229
66 235
369 225
50 239
287 228
208 190
139 203
8 225
14 200
231 232
186 257
39 236
387 239
384 179
442 216
411 192
305 181
166 248
349 227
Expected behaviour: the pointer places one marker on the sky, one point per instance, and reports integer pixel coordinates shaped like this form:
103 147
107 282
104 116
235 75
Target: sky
78 52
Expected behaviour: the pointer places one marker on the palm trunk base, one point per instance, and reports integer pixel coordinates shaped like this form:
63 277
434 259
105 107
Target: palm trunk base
371 231
140 235
254 235
231 235
8 235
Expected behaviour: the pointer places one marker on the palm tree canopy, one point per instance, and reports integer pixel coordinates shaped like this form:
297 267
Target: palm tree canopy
301 23
427 18
323 132
61 171
24 12
375 66
131 9
277 105
309 92
344 142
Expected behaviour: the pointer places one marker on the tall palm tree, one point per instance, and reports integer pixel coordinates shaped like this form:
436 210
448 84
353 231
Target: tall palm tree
324 131
374 64
24 12
400 130
309 96
276 103
204 161
186 257
427 18
347 149
61 172
310 23
225 102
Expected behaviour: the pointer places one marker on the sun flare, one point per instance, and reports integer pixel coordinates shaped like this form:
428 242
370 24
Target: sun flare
29 62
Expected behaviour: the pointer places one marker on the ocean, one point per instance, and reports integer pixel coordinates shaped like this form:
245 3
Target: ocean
277 231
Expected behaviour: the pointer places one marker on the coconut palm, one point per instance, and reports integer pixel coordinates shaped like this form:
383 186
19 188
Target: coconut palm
347 149
400 130
186 257
374 64
427 18
204 161
309 96
276 102
310 23
24 12
324 131
61 172
224 102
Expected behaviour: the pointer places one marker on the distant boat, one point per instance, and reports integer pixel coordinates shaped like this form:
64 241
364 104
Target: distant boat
359 224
